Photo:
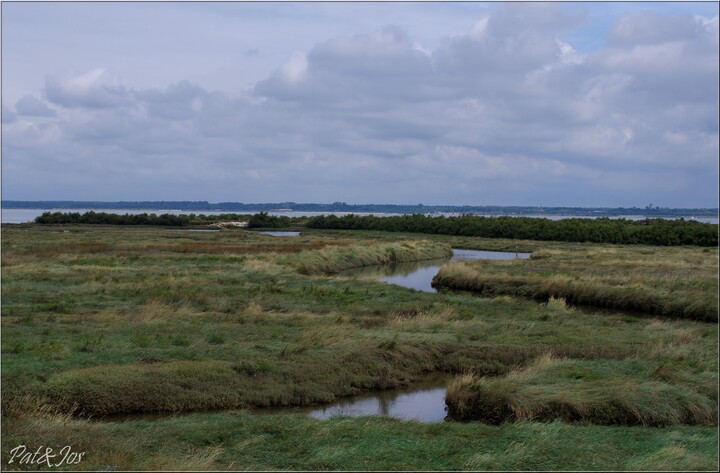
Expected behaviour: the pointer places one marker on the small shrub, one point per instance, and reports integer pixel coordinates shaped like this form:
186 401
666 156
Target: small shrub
89 344
253 368
215 339
180 341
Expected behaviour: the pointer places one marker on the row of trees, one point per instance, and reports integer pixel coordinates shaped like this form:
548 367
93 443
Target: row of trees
170 220
601 230
259 220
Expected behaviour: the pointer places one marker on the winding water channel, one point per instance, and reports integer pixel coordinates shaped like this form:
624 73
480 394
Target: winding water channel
419 274
423 401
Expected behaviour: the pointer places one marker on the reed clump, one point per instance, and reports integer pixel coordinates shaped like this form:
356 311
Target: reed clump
602 392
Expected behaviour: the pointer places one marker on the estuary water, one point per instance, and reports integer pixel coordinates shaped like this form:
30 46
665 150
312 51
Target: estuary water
28 215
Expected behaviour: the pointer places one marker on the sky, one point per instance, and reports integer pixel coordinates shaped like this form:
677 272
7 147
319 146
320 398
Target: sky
544 104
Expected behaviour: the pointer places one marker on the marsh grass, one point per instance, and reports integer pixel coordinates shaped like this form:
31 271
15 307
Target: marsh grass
671 282
602 392
134 325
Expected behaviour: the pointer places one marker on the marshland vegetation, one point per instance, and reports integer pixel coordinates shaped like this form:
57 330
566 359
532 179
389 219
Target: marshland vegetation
104 320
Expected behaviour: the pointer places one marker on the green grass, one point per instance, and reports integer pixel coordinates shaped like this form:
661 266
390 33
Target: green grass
239 440
110 320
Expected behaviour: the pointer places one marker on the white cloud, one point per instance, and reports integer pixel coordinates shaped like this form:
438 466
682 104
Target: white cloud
92 89
295 69
479 29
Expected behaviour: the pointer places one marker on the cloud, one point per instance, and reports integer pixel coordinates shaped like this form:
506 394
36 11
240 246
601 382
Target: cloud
32 106
655 28
355 71
507 112
178 102
92 89
8 116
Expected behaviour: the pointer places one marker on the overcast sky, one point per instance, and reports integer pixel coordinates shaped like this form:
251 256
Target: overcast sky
560 104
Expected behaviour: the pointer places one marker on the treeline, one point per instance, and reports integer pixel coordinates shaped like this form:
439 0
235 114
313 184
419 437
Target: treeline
104 218
263 220
601 230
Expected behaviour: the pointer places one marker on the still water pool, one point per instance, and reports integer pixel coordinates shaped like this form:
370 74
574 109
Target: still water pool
422 401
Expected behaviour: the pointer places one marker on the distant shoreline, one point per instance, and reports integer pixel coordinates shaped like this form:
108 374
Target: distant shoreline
494 210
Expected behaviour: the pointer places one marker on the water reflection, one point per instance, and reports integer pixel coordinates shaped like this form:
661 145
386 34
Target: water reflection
424 405
480 254
422 401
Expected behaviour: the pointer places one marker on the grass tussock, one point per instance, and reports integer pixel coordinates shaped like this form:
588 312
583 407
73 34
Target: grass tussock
155 387
600 392
334 260
178 386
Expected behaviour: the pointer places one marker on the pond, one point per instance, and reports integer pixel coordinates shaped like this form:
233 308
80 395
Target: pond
281 234
419 274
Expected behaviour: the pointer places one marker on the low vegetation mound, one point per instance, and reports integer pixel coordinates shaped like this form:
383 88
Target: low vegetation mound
606 392
334 260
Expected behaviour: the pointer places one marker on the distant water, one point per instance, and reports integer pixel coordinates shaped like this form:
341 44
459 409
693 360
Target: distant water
28 215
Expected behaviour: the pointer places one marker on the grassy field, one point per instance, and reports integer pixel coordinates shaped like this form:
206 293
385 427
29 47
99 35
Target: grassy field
100 320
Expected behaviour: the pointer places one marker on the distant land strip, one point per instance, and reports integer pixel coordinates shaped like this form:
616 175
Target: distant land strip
648 211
